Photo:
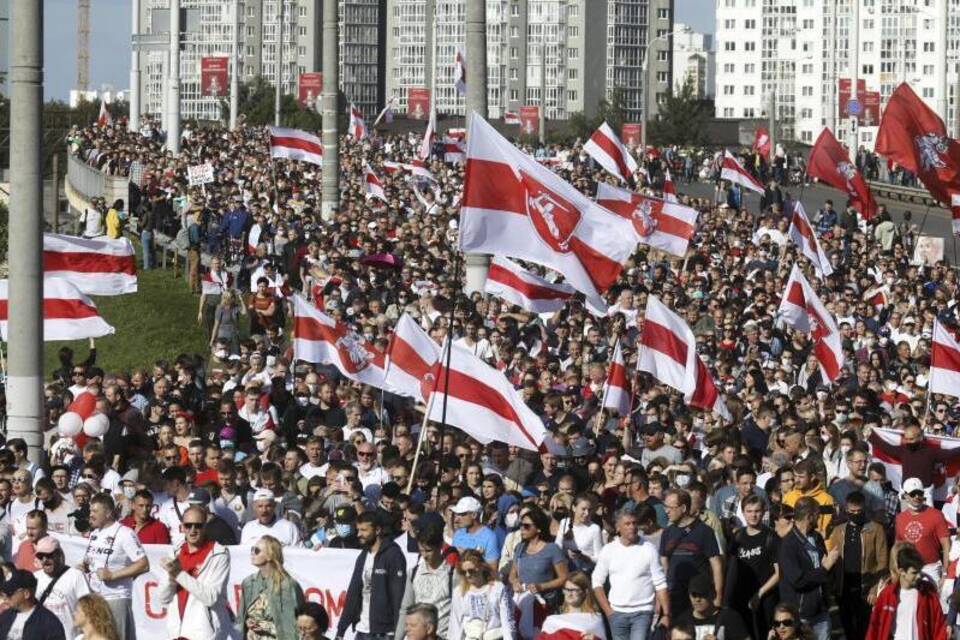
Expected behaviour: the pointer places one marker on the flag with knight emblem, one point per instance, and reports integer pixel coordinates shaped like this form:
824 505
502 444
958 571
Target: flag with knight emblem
657 223
830 163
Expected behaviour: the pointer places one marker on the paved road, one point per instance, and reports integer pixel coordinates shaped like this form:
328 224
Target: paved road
938 221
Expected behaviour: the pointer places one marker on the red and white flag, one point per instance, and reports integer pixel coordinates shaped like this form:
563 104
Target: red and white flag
664 225
295 144
509 281
944 362
97 267
373 183
514 206
253 238
426 145
669 191
460 72
830 163
358 128
386 113
803 236
605 147
104 118
668 352
67 313
214 283
733 171
454 149
417 168
617 388
803 310
942 473
411 359
575 625
761 142
511 117
318 338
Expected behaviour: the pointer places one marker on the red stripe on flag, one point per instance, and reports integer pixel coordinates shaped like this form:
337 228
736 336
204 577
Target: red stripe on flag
662 339
618 375
296 143
665 222
492 185
705 393
84 262
58 309
530 290
610 148
310 329
408 359
601 270
795 295
945 357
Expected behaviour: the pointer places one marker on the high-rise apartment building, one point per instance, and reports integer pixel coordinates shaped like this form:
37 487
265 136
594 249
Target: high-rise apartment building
803 49
693 60
573 52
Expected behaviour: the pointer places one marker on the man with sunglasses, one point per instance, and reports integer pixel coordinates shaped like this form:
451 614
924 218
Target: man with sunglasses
925 528
195 592
58 585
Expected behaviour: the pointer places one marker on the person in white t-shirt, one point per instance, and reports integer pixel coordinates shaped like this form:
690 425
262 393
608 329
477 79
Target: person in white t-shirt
23 502
58 586
114 557
171 512
267 522
315 465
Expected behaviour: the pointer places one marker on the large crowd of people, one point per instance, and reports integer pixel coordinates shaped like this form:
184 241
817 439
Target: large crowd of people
784 523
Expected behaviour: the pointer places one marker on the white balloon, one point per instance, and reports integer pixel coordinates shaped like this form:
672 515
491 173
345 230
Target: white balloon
96 425
69 424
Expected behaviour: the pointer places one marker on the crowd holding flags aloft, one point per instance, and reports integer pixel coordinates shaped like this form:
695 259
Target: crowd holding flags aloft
358 129
803 310
806 240
373 183
605 147
511 282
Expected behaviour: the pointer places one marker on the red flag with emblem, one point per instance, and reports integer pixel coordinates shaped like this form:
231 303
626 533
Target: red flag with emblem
830 164
761 142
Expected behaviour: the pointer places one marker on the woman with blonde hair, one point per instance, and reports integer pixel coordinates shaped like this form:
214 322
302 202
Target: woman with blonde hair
579 610
269 599
225 320
94 619
481 608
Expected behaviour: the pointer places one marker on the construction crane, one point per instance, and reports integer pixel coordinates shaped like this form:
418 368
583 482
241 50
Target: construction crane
83 44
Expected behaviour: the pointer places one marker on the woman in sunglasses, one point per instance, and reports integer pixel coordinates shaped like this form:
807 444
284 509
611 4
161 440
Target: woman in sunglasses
786 623
270 597
480 608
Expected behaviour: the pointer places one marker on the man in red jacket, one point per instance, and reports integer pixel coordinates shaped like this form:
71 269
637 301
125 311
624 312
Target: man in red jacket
908 609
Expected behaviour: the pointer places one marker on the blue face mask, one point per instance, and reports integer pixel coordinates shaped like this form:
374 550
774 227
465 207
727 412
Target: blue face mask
344 530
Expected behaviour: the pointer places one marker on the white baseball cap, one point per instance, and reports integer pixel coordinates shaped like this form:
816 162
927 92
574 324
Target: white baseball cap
264 494
466 504
912 484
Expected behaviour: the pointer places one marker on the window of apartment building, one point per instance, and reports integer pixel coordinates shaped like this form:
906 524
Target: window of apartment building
806 113
515 10
663 13
662 33
929 47
251 10
573 53
729 46
728 67
806 68
663 55
572 73
730 23
730 4
514 95
868 24
514 31
303 12
928 92
748 112
868 46
571 96
728 112
728 89
249 50
301 51
302 31
573 11
806 91
251 32
573 32
749 46
750 24
748 90
806 136
807 23
513 53
867 69
928 70
514 73
301 69
750 67
663 77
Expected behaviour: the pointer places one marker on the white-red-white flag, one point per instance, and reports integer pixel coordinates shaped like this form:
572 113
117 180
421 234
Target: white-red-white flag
668 352
511 282
514 206
373 183
885 445
358 128
426 145
511 117
605 147
669 191
411 360
617 388
67 313
733 171
214 283
417 168
386 113
295 144
253 239
97 267
575 625
460 72
657 223
803 236
803 310
104 118
318 338
454 149
944 361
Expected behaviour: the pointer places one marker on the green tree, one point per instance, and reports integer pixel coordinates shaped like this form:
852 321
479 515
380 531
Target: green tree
579 125
681 119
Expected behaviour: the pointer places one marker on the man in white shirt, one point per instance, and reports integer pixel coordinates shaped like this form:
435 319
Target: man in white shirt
267 522
22 503
637 581
114 557
368 471
171 511
471 341
315 465
58 586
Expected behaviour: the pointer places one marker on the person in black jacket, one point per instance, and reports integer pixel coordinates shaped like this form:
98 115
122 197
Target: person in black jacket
803 580
381 571
20 590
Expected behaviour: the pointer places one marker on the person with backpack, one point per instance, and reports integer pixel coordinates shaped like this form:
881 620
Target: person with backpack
59 586
430 581
752 569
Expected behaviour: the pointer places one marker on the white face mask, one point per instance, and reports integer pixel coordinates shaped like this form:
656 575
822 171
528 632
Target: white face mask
511 519
682 479
129 492
844 448
261 445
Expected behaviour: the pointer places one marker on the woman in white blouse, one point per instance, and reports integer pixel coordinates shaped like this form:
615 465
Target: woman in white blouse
581 539
481 608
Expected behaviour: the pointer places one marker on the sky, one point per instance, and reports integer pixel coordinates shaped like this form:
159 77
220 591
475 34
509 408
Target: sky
110 41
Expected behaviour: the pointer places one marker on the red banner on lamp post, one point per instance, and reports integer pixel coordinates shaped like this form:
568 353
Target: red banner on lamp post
530 120
418 103
213 76
309 88
630 133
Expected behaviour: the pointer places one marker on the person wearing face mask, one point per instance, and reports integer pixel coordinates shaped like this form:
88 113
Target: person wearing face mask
344 533
925 528
863 562
917 458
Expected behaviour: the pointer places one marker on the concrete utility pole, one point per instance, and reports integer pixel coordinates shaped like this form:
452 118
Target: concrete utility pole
476 103
173 99
133 122
943 25
279 79
543 86
25 414
331 128
645 71
772 111
235 67
854 31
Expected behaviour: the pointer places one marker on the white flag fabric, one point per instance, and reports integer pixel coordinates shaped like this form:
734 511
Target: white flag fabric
511 282
733 171
803 236
658 223
417 168
214 283
373 183
802 309
669 190
454 149
668 352
605 147
514 206
67 313
96 266
358 128
426 145
617 388
411 360
882 443
944 362
295 144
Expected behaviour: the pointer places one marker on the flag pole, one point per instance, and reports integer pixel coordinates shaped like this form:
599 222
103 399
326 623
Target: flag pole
603 399
420 438
923 222
446 374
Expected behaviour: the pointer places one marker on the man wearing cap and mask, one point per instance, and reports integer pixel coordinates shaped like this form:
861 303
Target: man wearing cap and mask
58 586
266 522
26 619
925 528
654 446
708 619
471 533
345 525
